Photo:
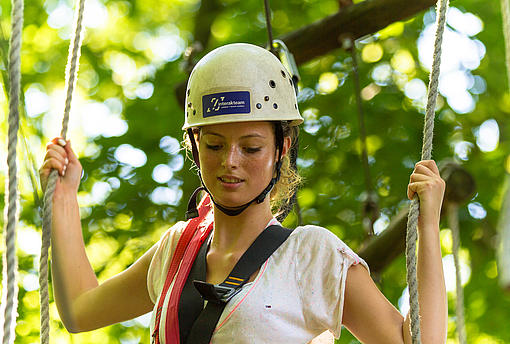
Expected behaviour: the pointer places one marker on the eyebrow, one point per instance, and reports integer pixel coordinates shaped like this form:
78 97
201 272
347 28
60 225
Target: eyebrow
242 137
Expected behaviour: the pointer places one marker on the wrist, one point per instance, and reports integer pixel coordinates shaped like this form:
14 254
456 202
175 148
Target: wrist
64 197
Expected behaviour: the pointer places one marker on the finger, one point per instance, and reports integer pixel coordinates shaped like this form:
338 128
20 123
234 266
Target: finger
55 147
410 192
431 165
58 141
417 177
57 152
423 169
413 189
52 154
70 153
53 163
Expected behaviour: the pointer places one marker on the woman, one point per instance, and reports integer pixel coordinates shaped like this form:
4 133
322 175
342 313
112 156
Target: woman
241 119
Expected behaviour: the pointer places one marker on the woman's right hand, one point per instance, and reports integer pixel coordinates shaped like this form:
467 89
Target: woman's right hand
60 156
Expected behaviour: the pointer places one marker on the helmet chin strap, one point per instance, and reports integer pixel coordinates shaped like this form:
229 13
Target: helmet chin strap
232 211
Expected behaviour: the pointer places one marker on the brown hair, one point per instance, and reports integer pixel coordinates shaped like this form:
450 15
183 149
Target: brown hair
290 180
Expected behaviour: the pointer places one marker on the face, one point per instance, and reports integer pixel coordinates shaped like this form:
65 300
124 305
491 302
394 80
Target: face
237 160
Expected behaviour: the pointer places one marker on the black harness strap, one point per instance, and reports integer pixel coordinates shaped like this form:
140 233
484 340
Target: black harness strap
190 303
203 321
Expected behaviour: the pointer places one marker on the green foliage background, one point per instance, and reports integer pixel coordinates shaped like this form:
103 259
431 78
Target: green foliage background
120 59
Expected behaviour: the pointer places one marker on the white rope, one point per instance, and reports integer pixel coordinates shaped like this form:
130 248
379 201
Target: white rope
71 71
428 134
453 223
505 12
10 261
504 232
504 219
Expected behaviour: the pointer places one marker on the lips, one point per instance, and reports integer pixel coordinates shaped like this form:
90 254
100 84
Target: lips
230 179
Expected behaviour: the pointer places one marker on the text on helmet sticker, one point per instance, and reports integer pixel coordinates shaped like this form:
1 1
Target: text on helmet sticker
226 103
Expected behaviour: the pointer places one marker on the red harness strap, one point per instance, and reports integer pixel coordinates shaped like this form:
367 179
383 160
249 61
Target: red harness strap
187 248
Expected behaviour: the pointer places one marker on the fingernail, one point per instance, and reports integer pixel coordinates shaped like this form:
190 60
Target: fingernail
66 161
61 142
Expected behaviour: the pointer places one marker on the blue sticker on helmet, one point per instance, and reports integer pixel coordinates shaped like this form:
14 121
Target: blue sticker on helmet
226 103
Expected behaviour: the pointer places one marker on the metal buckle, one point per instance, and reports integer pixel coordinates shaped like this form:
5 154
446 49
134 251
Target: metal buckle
214 292
227 293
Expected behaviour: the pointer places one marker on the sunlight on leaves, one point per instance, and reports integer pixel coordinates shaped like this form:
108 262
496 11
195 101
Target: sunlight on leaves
372 52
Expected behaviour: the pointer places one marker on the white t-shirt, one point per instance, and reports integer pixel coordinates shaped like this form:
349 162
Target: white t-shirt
297 294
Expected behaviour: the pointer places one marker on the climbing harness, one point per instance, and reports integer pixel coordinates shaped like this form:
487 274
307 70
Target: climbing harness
219 295
71 72
187 321
190 241
10 266
428 133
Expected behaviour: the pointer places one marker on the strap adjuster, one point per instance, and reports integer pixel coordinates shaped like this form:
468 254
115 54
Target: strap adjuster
216 293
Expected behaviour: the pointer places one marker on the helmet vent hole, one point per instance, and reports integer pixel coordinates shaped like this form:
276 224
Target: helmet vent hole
283 73
295 106
189 105
266 98
259 106
194 112
275 105
189 91
272 83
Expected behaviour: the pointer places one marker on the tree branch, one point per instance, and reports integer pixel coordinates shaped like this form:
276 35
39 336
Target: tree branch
352 21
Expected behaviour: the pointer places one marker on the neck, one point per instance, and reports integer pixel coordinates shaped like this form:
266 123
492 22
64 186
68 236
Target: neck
236 233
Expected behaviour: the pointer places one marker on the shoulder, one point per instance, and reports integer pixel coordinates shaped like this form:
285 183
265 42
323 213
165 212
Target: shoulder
171 235
316 242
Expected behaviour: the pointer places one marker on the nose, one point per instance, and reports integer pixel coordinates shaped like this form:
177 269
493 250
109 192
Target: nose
231 157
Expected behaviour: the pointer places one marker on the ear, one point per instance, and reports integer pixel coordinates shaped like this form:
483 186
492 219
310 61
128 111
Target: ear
287 141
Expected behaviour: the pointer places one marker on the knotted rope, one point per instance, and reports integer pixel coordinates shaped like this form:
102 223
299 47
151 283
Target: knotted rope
71 71
453 223
428 134
10 266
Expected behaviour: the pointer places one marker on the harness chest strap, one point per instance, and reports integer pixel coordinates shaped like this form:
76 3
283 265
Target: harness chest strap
192 227
218 296
172 316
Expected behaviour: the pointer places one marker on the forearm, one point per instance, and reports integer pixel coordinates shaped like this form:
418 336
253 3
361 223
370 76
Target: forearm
431 285
71 270
431 288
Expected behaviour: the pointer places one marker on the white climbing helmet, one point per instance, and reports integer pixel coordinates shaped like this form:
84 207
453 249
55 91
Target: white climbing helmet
240 83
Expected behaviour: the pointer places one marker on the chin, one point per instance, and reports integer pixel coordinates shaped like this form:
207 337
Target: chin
232 200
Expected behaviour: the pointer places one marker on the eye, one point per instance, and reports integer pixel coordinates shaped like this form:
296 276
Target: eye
252 149
213 147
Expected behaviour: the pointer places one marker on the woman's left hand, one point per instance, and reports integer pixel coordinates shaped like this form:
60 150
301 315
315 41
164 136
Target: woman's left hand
428 184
